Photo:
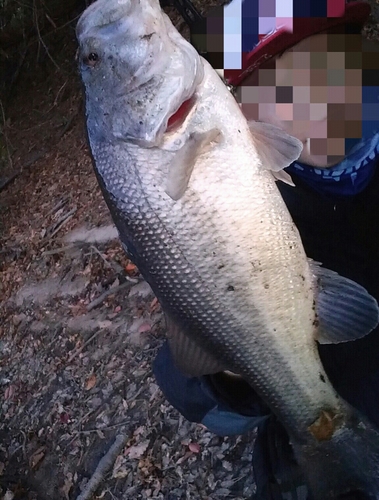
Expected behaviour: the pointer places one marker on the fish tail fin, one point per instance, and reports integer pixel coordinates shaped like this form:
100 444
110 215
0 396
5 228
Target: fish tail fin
348 462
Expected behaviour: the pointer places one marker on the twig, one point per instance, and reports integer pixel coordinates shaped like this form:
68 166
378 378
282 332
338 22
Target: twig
57 250
33 157
78 351
112 265
103 467
111 494
58 225
65 220
6 182
108 428
67 126
56 98
62 219
50 21
59 92
59 205
6 136
26 164
48 33
52 341
104 295
23 446
40 38
107 264
17 72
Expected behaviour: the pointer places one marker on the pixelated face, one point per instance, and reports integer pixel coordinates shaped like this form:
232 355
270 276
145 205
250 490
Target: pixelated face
318 91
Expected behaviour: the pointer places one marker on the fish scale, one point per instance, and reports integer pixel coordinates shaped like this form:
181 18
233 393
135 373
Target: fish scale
198 301
199 213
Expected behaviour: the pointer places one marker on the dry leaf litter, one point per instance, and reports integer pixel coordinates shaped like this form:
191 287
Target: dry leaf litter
80 413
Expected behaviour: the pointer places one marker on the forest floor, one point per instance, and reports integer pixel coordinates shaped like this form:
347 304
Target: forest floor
79 327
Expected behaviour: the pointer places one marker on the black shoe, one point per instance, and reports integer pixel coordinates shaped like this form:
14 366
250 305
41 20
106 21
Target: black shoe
277 474
354 495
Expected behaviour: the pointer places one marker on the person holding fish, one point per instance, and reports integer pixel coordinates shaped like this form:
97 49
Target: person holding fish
319 82
260 246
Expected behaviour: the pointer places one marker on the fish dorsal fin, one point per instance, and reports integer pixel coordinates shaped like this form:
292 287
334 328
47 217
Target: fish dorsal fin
276 148
181 167
345 310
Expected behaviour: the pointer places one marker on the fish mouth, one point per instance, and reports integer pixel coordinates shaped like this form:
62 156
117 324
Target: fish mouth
168 127
178 117
174 129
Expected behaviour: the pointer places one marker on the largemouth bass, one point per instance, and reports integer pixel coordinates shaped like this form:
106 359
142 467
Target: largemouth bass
190 185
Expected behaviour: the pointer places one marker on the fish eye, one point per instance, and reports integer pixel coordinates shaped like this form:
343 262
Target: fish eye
92 59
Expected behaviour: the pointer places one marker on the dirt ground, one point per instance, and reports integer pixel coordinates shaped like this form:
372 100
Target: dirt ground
79 327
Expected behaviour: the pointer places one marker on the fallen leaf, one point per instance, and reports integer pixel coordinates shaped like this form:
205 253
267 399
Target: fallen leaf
227 466
145 327
100 434
91 382
120 470
154 305
115 283
105 324
183 458
68 483
78 309
138 450
141 289
140 430
120 460
157 489
130 267
64 417
18 318
194 447
9 392
37 457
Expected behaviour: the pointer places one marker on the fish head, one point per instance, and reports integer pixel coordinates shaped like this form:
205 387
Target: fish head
136 69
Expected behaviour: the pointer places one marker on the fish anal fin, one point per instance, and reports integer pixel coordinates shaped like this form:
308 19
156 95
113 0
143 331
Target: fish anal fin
345 309
184 160
188 356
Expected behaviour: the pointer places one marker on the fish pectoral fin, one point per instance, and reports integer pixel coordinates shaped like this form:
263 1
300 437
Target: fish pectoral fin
184 160
276 148
188 356
345 310
283 176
